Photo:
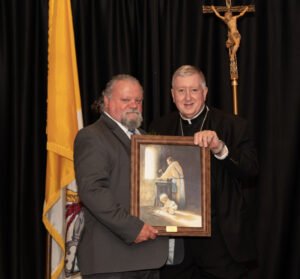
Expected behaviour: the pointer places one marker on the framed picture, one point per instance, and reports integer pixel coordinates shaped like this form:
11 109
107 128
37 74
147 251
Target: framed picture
170 184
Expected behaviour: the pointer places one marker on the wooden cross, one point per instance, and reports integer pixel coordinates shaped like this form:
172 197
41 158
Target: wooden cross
233 39
234 9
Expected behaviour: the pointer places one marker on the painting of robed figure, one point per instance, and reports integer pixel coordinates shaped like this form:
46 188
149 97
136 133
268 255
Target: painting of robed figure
171 184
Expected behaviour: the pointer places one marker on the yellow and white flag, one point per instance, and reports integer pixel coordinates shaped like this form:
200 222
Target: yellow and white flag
62 216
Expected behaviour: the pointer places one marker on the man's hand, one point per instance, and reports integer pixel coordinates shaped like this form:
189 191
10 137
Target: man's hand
209 139
146 233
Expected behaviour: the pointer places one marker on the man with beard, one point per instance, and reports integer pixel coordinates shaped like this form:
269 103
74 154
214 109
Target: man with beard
114 244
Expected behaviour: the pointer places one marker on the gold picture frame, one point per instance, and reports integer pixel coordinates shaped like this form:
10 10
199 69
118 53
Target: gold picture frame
170 184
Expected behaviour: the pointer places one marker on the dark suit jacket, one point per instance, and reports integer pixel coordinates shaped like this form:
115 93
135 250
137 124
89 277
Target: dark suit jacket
227 177
102 167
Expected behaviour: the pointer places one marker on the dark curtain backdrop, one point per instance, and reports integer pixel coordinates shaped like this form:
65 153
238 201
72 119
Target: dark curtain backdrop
150 39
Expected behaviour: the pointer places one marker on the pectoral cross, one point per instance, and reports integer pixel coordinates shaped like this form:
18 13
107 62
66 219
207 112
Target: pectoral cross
233 39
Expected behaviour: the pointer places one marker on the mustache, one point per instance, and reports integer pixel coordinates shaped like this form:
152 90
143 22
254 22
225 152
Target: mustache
132 111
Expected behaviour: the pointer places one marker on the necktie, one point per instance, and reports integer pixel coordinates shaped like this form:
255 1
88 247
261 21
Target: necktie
131 132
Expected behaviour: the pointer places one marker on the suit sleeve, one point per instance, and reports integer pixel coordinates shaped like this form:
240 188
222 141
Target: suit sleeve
242 157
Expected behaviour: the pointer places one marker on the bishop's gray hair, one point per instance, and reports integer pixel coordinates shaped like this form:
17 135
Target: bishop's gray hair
189 70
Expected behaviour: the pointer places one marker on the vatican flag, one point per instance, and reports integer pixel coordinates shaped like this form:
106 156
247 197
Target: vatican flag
62 216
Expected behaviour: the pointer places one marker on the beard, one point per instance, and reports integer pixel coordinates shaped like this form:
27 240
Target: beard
129 122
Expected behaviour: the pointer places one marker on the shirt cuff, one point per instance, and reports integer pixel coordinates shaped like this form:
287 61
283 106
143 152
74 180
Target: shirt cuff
224 153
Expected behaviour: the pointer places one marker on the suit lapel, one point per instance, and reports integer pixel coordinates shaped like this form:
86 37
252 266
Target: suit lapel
117 132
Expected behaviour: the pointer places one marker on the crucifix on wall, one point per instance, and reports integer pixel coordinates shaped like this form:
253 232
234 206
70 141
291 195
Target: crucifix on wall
233 38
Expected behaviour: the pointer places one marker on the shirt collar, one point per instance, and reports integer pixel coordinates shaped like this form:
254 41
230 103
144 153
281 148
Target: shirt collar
189 120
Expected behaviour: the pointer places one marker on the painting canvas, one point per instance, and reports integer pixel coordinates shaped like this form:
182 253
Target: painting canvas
171 184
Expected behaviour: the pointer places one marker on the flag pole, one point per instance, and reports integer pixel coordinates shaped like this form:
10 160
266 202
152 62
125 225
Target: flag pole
48 257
